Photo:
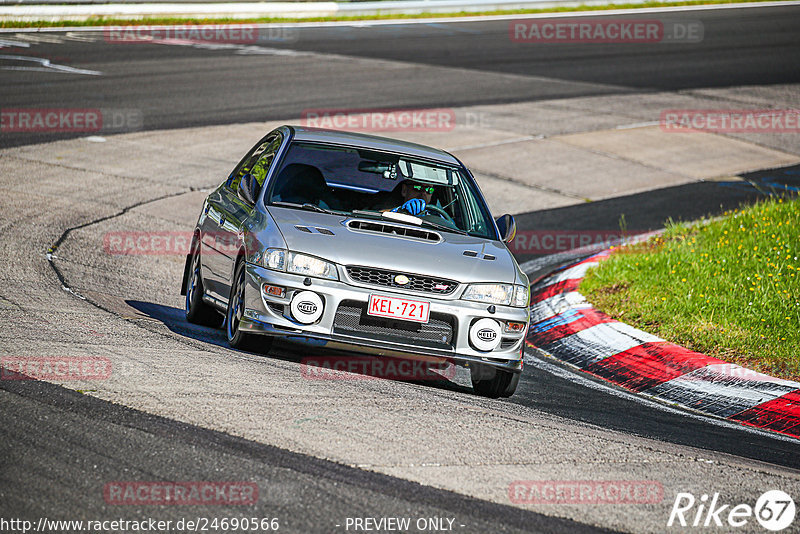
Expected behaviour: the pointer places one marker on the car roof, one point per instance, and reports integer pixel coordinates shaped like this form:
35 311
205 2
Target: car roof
339 137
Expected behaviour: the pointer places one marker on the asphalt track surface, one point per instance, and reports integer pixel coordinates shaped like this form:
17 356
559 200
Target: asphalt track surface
84 442
179 86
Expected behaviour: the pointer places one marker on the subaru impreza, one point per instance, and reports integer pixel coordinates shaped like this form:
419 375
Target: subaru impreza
360 243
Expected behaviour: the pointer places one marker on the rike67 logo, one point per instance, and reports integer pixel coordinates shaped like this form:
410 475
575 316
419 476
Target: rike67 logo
774 510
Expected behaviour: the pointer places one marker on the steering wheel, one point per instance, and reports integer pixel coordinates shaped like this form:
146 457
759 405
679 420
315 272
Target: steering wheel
440 212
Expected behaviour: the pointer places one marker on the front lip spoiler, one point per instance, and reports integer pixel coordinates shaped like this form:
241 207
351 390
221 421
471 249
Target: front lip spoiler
373 347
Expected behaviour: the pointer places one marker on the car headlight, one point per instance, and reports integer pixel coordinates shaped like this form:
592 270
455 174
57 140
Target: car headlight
521 297
491 293
275 259
297 263
310 266
503 294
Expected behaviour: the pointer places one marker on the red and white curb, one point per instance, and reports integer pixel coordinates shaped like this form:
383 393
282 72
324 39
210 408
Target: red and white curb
565 326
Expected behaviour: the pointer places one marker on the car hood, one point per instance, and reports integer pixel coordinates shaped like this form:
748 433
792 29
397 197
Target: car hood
445 259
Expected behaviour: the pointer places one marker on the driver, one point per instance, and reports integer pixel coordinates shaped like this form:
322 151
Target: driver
416 197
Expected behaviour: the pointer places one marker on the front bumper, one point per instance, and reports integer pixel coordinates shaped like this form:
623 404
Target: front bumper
271 315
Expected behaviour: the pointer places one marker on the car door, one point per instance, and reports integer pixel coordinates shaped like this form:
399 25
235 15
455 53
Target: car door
209 250
235 209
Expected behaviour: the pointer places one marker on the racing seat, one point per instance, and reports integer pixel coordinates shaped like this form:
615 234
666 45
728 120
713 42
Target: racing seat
300 183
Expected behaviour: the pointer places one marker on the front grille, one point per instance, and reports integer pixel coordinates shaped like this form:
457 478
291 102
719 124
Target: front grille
277 308
352 319
417 282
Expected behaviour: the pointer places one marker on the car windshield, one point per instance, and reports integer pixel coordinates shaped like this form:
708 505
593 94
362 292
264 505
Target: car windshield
361 182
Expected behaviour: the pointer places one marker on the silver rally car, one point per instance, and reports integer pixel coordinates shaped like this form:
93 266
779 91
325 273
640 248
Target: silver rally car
360 243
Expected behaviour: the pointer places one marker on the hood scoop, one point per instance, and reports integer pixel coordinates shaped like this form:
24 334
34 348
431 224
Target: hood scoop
377 227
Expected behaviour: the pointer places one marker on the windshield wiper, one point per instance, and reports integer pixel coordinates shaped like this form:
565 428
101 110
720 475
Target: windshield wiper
307 206
368 213
444 227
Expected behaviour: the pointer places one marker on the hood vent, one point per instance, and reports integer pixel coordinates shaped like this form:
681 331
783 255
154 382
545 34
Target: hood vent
395 230
474 254
310 230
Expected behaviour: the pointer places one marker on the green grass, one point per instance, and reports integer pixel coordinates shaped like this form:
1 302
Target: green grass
100 21
729 288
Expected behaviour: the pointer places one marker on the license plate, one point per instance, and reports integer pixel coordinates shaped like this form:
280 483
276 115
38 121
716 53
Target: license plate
407 310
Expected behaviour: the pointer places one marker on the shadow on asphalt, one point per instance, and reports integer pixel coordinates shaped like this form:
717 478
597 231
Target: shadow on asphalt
362 366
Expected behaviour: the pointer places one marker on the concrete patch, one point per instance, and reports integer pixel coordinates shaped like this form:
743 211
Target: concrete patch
697 155
567 170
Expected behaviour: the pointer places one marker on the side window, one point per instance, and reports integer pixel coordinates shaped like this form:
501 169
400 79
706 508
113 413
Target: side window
257 163
474 218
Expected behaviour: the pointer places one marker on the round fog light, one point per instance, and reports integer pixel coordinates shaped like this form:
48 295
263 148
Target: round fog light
306 307
485 334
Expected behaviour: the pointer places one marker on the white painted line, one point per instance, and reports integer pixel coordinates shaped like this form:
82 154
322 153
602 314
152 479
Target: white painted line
637 125
724 396
579 271
8 42
36 39
239 48
611 338
737 372
46 66
556 305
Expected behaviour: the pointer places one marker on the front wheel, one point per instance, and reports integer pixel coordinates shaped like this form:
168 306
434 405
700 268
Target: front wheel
491 382
197 311
236 338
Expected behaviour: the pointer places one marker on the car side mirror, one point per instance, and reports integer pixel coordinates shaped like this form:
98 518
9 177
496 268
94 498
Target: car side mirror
507 226
247 188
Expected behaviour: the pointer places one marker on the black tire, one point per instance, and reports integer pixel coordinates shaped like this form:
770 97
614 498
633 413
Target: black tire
197 311
493 383
236 338
512 385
